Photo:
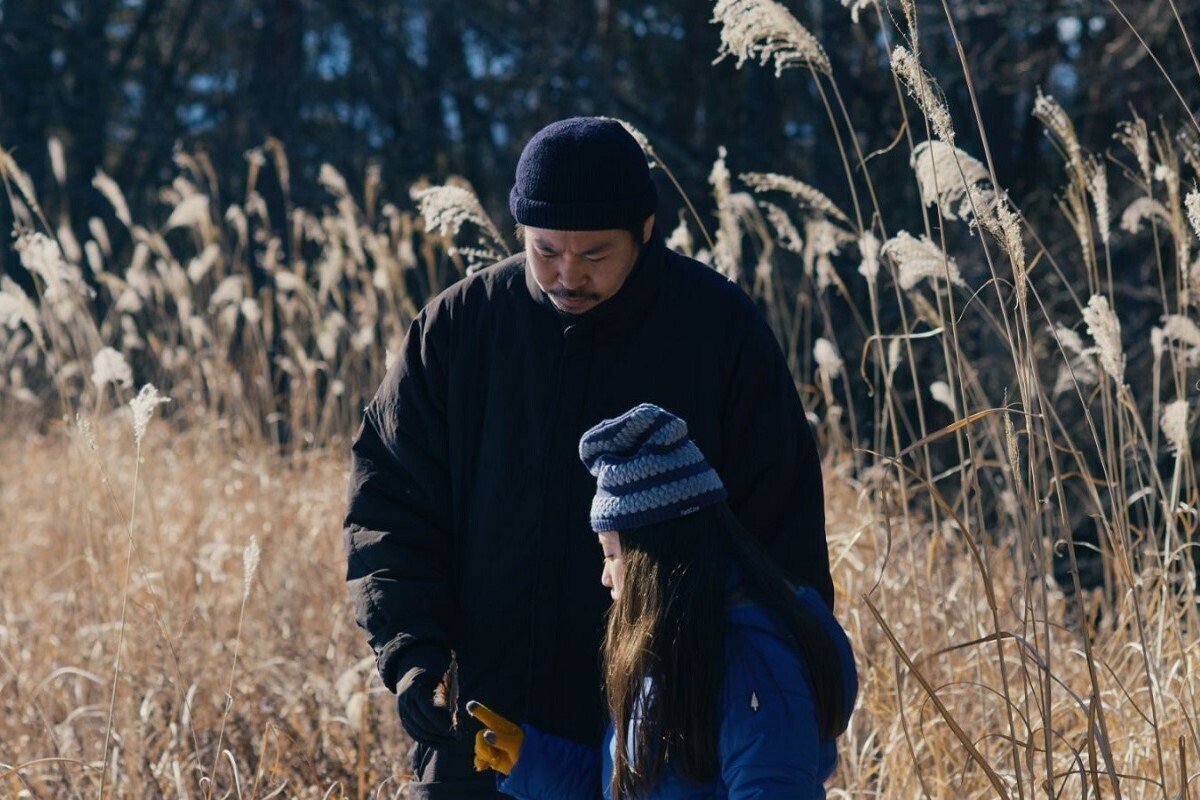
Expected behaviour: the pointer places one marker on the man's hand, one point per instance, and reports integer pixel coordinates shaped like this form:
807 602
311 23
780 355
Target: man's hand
422 708
498 745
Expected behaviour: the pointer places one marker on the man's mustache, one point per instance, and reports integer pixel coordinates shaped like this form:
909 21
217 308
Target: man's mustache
573 294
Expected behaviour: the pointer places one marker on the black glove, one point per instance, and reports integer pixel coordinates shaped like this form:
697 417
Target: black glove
426 718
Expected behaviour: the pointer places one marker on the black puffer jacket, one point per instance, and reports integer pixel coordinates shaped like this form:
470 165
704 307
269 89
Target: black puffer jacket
468 514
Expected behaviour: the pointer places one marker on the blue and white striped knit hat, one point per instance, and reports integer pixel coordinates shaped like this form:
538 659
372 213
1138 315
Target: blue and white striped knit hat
647 470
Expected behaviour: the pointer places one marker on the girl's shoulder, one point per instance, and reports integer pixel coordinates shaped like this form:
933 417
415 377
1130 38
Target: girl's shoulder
759 645
744 611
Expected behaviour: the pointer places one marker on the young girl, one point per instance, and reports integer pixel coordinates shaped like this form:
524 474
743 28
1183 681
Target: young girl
722 680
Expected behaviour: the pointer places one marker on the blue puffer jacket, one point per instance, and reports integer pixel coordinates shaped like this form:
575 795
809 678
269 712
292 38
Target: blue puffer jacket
768 743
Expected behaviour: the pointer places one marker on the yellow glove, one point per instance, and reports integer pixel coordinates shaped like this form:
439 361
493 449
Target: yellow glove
498 745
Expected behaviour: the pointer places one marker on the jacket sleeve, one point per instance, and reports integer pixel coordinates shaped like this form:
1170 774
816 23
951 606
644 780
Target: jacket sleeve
768 743
552 768
773 470
397 529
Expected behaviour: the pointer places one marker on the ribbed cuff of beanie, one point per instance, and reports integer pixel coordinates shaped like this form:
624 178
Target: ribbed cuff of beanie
619 215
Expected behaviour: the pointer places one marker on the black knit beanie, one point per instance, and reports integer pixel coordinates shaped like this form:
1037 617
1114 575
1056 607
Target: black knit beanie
583 174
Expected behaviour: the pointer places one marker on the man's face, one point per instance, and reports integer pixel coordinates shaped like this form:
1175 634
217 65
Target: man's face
579 270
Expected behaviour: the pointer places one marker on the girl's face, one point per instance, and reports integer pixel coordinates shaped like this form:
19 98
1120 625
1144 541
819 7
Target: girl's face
614 565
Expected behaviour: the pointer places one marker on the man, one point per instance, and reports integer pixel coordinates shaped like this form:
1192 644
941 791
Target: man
467 532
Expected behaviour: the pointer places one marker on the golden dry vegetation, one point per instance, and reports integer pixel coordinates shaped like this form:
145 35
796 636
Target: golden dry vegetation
289 691
300 711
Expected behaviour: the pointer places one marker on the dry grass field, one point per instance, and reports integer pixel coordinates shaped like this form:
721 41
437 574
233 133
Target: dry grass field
276 699
1008 419
253 674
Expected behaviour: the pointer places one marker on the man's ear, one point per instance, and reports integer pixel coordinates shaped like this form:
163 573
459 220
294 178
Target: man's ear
647 228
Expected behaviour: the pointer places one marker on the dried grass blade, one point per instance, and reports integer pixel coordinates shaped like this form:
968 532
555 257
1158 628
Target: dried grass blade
970 419
959 733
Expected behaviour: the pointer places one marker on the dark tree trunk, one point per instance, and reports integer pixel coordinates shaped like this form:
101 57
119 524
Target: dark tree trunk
28 98
278 69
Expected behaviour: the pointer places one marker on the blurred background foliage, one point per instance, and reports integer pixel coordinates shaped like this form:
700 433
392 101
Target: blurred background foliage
434 88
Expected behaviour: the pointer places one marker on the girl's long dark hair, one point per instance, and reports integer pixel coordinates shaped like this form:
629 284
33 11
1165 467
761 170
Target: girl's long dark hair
664 650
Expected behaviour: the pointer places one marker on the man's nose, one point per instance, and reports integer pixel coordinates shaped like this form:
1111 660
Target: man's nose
572 274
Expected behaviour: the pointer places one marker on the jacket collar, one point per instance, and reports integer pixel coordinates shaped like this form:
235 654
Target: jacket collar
629 303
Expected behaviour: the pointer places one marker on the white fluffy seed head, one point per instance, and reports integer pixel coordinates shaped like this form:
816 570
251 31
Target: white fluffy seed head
1157 340
332 180
681 240
1105 330
641 138
924 90
58 163
1135 136
1078 367
42 256
1181 328
447 208
727 244
1097 182
109 366
250 558
786 233
112 193
1175 425
941 392
1189 147
1048 111
808 197
920 259
868 247
1142 209
1192 204
856 6
69 244
16 309
827 357
12 304
11 170
200 266
1071 341
143 409
944 176
356 710
1009 234
228 292
894 355
190 212
99 232
765 31
251 310
63 284
822 240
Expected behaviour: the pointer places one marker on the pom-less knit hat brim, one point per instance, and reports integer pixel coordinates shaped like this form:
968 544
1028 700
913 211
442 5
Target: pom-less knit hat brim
647 470
583 174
